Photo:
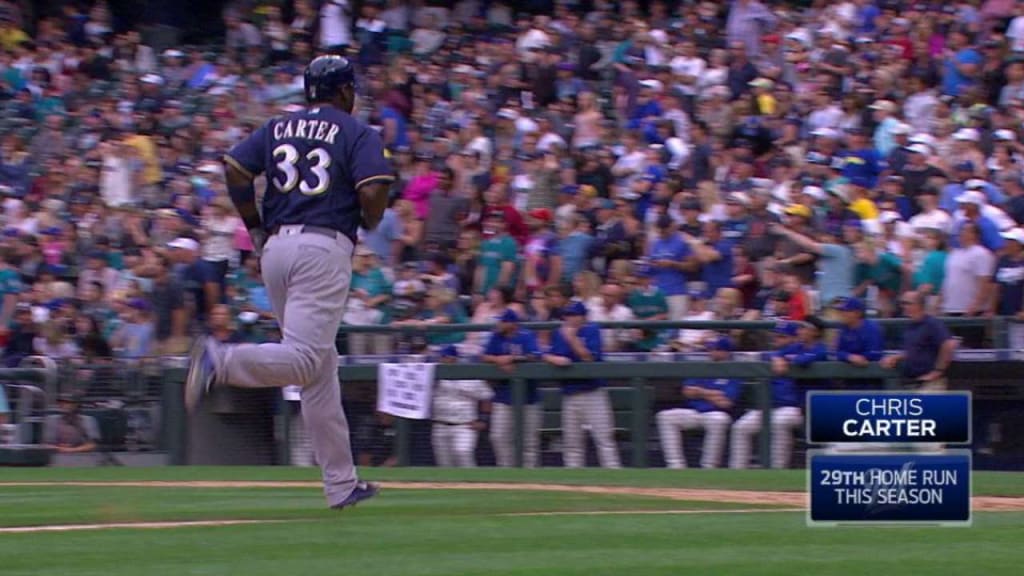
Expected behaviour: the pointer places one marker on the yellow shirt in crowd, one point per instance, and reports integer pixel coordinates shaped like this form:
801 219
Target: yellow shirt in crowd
864 208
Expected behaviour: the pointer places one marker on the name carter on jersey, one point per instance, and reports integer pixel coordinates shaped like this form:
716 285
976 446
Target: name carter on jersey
309 129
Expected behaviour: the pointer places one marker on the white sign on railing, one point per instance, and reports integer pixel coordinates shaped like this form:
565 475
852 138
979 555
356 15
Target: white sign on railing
405 390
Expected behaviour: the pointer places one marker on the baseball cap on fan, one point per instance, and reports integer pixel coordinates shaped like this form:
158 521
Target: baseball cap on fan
184 244
971 197
1015 234
575 308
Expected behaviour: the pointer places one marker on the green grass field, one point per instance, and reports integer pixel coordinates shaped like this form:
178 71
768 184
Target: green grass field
409 532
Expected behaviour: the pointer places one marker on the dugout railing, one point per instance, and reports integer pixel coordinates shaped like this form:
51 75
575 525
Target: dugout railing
151 389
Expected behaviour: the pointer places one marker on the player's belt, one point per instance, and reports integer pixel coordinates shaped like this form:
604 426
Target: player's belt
443 423
311 229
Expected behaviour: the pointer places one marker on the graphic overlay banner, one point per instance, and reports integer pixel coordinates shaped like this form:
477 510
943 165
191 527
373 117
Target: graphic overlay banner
904 417
889 488
405 390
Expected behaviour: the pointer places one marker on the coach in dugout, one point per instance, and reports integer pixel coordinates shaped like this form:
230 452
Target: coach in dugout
928 347
860 341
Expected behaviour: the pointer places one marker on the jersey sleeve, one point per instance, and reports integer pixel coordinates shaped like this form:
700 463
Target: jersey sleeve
493 347
732 390
530 347
592 340
368 160
250 155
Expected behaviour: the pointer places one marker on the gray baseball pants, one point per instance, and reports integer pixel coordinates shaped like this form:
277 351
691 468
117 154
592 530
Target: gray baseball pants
307 277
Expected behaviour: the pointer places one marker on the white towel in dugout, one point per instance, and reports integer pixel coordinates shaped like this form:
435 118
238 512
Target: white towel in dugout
405 390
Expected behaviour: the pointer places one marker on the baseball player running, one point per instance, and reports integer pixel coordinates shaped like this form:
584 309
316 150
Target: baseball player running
326 175
455 412
709 402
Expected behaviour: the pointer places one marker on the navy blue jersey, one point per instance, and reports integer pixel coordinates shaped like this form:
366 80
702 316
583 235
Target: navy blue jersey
315 160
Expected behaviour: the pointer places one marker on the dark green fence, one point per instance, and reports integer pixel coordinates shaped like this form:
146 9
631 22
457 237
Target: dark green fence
636 380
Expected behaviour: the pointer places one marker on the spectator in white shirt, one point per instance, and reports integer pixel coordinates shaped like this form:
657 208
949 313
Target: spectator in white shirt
930 217
609 308
428 39
826 114
335 26
687 67
966 284
1015 31
218 235
117 181
691 339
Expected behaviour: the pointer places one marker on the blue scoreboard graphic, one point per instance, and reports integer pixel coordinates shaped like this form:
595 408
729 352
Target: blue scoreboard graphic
836 417
908 477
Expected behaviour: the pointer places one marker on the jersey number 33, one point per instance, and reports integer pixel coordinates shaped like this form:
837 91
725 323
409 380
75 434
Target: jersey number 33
310 173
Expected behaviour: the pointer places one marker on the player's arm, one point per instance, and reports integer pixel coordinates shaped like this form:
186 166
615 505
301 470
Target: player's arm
243 194
373 197
241 166
373 176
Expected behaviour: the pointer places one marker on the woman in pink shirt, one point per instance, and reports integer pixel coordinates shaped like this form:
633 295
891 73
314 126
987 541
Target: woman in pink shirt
420 186
53 246
243 243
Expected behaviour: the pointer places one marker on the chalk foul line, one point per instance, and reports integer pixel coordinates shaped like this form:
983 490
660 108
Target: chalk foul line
131 525
652 512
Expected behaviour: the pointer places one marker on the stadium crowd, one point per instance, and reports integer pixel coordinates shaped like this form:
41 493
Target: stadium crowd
689 160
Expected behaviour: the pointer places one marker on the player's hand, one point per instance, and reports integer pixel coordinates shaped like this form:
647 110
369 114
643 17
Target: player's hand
479 425
779 366
560 361
890 362
259 239
507 364
858 360
931 376
692 391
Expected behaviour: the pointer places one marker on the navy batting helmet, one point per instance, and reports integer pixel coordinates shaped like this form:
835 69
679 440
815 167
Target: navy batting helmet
326 76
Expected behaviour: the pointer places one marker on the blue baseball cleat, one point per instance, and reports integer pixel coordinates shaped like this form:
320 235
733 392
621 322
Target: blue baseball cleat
362 491
200 374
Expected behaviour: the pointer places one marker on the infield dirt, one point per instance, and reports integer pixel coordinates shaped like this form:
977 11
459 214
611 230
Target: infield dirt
755 497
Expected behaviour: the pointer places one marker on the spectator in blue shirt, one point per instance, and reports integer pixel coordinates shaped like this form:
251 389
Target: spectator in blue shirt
671 258
575 248
5 408
862 164
585 403
786 414
510 343
962 64
708 406
956 185
715 256
1008 281
386 239
971 202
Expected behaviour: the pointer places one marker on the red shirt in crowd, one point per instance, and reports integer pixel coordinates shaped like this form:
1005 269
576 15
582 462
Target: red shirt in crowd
513 220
